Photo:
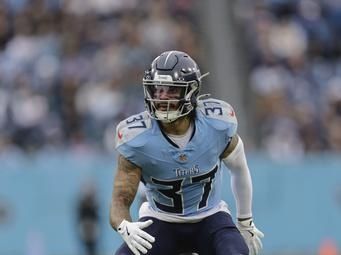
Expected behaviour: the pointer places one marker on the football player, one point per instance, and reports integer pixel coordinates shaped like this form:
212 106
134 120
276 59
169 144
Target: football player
179 148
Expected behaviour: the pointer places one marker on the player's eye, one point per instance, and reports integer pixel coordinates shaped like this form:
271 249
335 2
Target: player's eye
174 90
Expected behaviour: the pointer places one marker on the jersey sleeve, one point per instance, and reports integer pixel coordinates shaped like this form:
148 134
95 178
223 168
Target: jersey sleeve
221 115
130 135
222 118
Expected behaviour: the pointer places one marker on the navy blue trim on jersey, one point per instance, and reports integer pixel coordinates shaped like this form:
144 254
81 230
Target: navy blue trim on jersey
170 141
193 131
143 180
228 144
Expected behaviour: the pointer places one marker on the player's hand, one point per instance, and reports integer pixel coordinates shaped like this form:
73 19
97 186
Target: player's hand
136 239
251 235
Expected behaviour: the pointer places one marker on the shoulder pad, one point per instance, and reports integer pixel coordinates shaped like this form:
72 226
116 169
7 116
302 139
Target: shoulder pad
131 128
219 110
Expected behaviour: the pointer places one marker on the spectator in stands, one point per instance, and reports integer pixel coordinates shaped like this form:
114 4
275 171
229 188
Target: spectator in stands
58 58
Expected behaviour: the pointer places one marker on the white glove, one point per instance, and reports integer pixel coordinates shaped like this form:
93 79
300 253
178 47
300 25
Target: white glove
136 239
251 235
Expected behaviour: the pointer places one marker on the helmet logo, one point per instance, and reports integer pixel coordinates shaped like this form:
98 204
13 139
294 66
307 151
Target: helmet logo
160 77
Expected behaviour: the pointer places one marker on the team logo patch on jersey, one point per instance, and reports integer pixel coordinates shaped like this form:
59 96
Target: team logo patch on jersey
231 113
181 172
120 135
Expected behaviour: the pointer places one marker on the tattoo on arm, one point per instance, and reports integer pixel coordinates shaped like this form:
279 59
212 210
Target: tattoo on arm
125 187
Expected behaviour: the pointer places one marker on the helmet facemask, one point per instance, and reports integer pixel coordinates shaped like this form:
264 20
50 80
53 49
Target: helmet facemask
171 86
168 100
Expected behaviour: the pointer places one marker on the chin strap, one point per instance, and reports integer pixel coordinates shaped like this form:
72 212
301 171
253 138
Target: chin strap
202 96
204 75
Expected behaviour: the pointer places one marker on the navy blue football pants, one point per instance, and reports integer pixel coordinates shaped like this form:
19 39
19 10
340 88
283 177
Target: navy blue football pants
214 235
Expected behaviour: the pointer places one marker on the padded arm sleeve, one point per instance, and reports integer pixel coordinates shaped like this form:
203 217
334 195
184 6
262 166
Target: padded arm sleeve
241 182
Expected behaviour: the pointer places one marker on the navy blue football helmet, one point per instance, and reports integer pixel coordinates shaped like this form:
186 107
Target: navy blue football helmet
171 86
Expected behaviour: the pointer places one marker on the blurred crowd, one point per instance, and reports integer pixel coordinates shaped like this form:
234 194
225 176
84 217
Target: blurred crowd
70 69
295 76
